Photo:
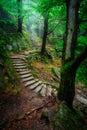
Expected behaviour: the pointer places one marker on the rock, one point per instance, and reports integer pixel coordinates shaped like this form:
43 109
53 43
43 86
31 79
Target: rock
35 85
28 78
25 75
27 84
24 72
38 88
43 91
81 99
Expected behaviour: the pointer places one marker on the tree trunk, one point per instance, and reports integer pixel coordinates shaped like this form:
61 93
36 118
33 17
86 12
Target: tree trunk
20 19
43 49
71 30
67 84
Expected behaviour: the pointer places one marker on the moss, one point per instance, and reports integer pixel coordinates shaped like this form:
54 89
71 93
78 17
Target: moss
56 72
67 119
15 42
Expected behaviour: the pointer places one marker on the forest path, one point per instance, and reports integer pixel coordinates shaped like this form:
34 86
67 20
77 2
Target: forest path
24 110
29 81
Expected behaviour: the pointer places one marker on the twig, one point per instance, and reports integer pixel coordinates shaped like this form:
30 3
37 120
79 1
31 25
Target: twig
40 107
34 109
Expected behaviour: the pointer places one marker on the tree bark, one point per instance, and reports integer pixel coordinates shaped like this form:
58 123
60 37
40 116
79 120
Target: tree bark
20 19
71 30
43 49
67 84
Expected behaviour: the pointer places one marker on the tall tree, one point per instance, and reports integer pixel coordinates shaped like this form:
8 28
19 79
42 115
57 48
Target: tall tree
20 18
45 33
45 9
70 63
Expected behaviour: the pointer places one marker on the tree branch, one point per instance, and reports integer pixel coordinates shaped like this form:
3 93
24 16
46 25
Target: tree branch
53 29
79 59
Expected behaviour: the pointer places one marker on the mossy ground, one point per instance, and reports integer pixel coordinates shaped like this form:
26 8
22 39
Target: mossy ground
67 119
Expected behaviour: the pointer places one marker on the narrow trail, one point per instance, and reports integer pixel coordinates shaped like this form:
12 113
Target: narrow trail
24 110
29 81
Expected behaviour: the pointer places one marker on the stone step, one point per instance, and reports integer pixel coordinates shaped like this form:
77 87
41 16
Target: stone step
28 79
43 91
18 64
25 75
54 91
24 72
48 91
29 52
21 70
27 84
38 89
35 85
81 99
17 57
20 67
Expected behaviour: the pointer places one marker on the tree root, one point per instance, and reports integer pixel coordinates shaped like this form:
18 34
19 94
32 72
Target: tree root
32 110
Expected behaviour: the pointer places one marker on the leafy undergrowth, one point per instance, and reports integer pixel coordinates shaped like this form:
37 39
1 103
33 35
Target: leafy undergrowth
23 109
11 79
42 68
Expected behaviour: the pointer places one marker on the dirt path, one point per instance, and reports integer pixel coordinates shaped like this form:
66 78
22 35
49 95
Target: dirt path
24 110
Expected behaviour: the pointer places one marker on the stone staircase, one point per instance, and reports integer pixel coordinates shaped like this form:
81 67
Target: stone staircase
28 79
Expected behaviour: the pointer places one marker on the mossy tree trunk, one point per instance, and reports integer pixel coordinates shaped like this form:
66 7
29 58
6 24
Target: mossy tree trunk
43 48
20 18
67 84
72 7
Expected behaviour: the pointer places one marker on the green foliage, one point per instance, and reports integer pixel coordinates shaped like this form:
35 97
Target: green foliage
83 10
2 42
15 42
44 6
82 42
67 119
56 43
81 75
44 59
9 11
45 114
10 71
3 52
31 58
56 72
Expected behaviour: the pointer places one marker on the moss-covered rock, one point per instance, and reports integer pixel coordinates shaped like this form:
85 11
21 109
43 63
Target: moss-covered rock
67 119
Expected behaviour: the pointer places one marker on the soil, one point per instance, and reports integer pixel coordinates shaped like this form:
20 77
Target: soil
16 110
27 110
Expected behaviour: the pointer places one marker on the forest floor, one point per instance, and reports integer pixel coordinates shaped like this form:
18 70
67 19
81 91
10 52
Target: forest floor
27 110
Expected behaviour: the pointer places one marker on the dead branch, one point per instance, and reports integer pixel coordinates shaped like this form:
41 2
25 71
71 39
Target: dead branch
34 109
40 107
